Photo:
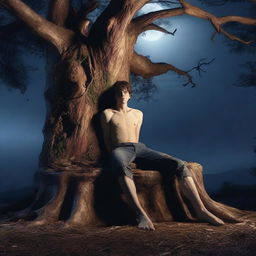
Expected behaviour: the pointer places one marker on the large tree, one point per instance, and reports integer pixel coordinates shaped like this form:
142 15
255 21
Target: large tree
86 59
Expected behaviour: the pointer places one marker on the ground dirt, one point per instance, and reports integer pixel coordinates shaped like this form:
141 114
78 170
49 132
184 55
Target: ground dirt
173 238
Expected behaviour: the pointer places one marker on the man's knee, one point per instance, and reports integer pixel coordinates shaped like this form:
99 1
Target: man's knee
182 170
122 170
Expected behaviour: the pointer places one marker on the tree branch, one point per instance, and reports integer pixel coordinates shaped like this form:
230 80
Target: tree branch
220 2
141 65
90 6
217 22
78 18
232 37
201 63
165 2
157 28
150 17
60 37
113 22
124 10
137 4
58 12
143 22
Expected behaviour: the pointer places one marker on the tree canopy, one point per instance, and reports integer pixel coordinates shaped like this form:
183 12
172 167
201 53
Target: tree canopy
17 41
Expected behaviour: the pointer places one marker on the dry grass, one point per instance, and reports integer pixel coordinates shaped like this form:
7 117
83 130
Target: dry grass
173 238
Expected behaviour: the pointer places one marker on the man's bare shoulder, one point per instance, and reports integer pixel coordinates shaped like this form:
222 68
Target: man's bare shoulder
109 111
137 111
107 114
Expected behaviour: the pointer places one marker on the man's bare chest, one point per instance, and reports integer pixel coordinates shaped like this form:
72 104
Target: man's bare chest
124 120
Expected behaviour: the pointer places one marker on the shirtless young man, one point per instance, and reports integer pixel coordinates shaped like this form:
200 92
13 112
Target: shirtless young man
121 128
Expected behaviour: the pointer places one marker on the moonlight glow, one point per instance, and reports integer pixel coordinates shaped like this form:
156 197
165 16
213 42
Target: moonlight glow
151 35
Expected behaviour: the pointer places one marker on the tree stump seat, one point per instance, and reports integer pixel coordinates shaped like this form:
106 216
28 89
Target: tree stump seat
91 196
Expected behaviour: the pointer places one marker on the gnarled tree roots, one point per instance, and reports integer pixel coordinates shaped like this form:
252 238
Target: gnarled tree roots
91 196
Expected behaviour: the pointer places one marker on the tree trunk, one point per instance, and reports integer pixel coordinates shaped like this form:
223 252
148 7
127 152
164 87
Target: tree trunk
73 100
81 79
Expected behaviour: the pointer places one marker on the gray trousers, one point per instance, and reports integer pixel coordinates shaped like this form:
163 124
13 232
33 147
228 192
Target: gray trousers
125 153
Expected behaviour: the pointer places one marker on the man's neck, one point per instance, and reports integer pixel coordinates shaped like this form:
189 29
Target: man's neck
122 107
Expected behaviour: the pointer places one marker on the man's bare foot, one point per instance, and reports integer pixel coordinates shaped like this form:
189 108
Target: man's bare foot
210 218
145 223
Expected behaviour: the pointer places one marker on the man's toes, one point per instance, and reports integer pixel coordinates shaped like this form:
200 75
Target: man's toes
210 218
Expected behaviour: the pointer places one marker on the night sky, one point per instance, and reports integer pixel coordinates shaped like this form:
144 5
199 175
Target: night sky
213 124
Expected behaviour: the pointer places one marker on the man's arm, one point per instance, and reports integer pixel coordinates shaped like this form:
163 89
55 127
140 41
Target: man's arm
140 119
105 126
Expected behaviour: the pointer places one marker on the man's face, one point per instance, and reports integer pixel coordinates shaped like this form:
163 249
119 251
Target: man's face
123 96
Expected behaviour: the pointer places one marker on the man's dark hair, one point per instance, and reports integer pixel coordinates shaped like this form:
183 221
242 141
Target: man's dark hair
121 85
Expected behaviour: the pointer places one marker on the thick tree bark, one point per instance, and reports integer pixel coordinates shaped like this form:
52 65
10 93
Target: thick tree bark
59 11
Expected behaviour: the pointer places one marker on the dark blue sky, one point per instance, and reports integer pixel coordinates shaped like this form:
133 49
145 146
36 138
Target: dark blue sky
213 124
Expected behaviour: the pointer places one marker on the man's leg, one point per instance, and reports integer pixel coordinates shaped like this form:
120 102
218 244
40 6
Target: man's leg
189 190
185 179
128 187
121 157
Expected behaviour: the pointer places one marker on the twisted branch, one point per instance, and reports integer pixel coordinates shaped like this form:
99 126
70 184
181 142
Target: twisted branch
60 37
198 68
138 24
145 22
88 7
58 11
217 22
141 65
157 28
150 17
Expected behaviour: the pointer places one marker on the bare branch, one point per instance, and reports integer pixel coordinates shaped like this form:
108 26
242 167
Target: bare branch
113 22
217 22
143 22
235 38
150 17
141 65
59 10
127 8
165 2
157 28
239 19
198 68
78 19
90 6
58 36
137 4
220 2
